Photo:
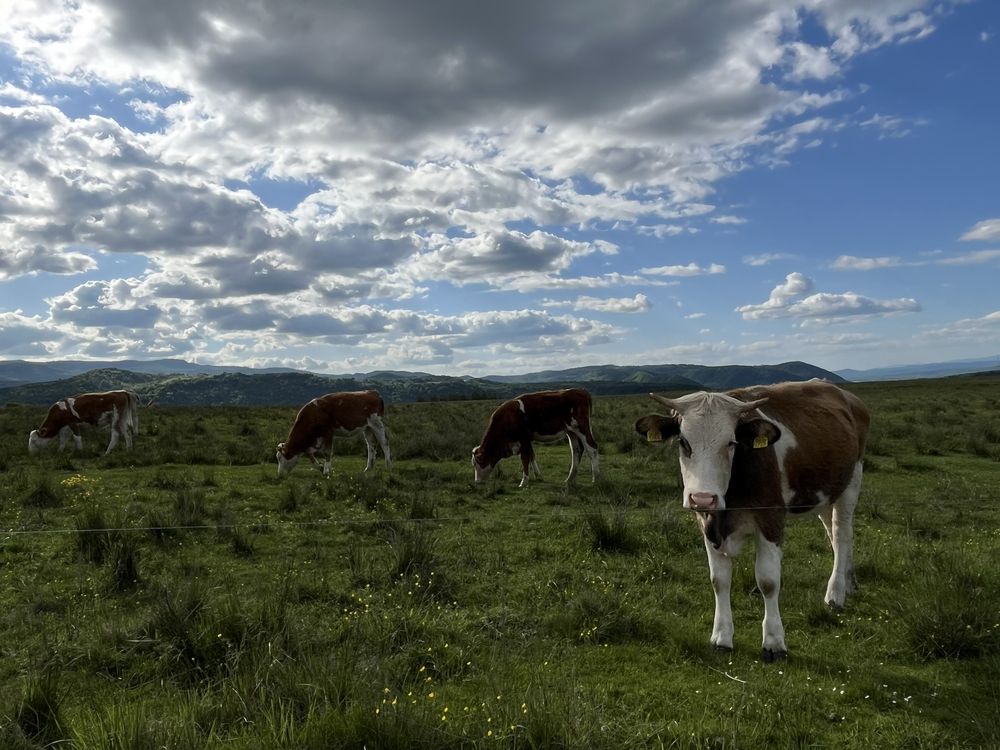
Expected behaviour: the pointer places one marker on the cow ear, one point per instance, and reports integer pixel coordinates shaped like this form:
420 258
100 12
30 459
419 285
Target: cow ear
656 427
757 433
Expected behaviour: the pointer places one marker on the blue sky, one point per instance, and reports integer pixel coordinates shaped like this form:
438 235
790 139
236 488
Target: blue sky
471 189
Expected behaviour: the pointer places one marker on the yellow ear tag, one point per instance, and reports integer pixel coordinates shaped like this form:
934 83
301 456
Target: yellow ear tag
654 436
760 441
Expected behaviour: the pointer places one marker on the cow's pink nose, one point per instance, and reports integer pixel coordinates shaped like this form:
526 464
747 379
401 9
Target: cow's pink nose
703 500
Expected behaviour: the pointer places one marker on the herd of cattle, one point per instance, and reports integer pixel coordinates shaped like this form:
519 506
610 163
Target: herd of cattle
748 459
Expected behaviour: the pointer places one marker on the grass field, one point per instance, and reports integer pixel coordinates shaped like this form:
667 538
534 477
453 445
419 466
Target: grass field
181 596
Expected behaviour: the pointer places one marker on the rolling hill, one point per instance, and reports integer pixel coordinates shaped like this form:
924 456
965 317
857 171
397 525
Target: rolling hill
720 377
292 388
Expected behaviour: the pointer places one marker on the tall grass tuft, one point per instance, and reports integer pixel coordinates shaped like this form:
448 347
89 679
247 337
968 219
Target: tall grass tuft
92 536
39 715
944 612
600 617
123 556
189 507
44 495
290 499
612 533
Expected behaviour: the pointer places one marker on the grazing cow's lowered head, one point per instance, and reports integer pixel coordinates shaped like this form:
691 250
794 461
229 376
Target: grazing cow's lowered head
285 464
710 428
481 465
38 439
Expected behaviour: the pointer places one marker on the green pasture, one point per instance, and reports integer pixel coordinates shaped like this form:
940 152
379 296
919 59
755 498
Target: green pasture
182 596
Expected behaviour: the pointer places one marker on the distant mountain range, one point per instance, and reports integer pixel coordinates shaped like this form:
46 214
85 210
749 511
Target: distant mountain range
926 370
176 382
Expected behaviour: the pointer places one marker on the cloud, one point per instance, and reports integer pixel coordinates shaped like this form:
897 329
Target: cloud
969 259
892 126
485 150
988 229
787 300
638 303
854 263
765 258
691 269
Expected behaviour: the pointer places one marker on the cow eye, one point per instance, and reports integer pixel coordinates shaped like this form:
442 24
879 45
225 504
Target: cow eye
685 445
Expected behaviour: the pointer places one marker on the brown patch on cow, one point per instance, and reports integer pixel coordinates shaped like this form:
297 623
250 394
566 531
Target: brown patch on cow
830 426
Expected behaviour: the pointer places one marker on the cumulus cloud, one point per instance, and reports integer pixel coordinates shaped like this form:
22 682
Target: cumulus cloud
854 263
764 259
636 304
789 300
479 152
988 229
691 269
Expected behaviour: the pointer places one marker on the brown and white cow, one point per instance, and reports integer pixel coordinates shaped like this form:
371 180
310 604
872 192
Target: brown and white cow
748 458
118 410
546 416
330 416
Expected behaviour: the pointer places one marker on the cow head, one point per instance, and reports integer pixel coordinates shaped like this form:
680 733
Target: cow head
285 464
710 427
480 464
37 440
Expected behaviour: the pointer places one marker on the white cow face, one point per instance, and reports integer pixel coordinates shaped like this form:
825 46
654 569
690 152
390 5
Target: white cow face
482 470
285 465
709 429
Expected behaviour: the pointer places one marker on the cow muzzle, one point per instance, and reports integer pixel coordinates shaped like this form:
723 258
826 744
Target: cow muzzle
702 501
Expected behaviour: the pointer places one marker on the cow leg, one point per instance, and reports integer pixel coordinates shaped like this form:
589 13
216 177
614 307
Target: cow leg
378 429
535 469
527 459
575 453
767 570
368 436
720 569
839 522
64 434
590 446
328 463
114 439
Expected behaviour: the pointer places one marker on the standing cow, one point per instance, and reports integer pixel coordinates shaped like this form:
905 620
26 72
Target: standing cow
751 456
335 415
546 416
118 410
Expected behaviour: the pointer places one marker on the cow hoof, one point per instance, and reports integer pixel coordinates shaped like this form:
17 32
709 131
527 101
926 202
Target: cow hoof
721 648
834 606
769 655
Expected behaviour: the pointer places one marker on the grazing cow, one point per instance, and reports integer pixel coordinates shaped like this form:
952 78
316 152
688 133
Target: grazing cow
118 410
330 416
546 416
750 456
